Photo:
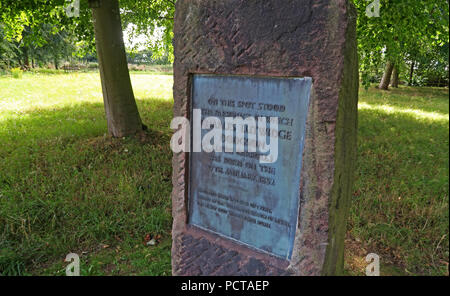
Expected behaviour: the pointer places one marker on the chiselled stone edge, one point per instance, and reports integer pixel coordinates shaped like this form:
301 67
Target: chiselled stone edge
318 184
345 152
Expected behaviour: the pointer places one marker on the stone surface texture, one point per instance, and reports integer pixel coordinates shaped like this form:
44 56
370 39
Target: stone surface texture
279 38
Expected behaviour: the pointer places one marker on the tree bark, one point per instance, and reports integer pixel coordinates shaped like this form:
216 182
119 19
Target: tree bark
384 84
120 105
411 72
395 77
26 59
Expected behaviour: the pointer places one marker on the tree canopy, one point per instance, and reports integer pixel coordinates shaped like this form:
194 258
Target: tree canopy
405 29
411 34
147 17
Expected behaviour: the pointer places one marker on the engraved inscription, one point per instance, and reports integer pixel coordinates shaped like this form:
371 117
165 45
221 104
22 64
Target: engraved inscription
234 194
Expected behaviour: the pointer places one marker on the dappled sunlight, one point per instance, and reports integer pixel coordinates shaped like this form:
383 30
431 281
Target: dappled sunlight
433 100
34 92
415 91
45 107
37 93
53 134
60 170
416 113
400 196
152 86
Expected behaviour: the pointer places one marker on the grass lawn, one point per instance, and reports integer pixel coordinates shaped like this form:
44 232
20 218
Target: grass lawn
400 202
67 187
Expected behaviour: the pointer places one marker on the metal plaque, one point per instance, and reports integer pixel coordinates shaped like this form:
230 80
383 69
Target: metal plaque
238 195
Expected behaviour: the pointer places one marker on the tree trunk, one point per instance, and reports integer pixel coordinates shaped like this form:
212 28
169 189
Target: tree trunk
121 111
411 72
384 84
26 59
395 76
56 62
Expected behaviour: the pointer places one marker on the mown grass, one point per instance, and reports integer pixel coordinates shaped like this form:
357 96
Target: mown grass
400 204
67 187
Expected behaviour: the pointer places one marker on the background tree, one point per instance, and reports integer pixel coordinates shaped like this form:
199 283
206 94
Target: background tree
9 51
19 17
401 26
120 105
408 39
429 66
151 18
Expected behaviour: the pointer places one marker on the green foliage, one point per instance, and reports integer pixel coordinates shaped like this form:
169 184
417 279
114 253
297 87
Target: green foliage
146 57
19 15
9 51
404 27
149 18
16 72
431 66
23 21
93 65
27 42
407 31
42 32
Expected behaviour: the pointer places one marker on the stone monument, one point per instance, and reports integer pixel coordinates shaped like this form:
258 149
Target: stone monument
279 209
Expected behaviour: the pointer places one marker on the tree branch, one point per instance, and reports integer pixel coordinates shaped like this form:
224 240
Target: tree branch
171 1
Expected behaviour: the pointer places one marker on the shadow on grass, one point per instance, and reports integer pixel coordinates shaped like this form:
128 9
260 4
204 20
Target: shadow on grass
66 187
430 92
400 202
421 99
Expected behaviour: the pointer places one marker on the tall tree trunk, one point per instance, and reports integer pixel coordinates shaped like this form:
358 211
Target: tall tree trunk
120 105
411 72
26 59
384 84
395 77
56 62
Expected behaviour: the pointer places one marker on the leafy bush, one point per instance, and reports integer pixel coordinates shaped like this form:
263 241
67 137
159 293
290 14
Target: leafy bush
92 65
45 71
16 72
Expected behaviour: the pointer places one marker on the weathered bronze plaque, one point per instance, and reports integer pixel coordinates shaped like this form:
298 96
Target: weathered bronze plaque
241 195
234 214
